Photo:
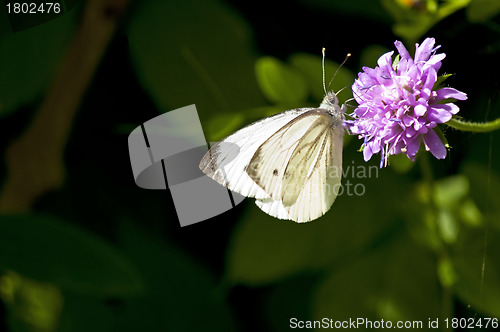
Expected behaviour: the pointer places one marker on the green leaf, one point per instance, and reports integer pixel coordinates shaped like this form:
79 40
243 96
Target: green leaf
385 284
31 305
448 192
29 59
421 218
202 54
401 163
484 184
258 113
440 80
310 66
395 62
482 10
178 289
447 225
412 21
446 273
49 250
475 259
264 249
83 313
470 214
279 82
222 125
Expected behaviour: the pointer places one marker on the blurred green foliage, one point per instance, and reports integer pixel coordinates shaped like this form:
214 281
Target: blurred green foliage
65 256
421 241
29 59
413 18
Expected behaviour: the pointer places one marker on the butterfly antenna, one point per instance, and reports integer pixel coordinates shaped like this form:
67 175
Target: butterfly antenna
323 68
343 62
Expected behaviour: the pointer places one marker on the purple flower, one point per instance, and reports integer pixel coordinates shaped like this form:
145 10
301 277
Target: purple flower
398 106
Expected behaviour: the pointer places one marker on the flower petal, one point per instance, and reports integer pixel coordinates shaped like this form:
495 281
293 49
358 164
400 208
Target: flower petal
434 145
420 110
385 60
367 152
407 120
430 80
442 113
412 147
435 61
410 131
402 50
423 130
423 52
446 93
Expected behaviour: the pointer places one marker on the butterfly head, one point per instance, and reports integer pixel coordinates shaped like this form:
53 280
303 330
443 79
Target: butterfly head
331 102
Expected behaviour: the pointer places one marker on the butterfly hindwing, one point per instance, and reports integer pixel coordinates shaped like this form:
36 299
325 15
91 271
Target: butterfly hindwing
268 165
319 189
307 155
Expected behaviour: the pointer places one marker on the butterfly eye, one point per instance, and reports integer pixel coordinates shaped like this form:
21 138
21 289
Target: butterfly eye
331 99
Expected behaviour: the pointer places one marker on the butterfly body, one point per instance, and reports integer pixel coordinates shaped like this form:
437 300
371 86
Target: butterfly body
290 162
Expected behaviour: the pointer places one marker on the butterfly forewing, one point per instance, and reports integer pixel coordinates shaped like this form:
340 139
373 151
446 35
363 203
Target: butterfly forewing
227 161
268 165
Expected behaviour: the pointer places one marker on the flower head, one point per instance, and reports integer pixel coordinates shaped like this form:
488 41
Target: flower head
399 104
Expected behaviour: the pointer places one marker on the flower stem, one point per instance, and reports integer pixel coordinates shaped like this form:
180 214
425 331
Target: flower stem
478 127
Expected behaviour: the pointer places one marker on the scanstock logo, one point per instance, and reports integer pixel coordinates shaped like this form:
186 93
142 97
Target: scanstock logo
165 153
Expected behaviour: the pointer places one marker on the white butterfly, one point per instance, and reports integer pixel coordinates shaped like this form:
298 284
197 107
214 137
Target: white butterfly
290 162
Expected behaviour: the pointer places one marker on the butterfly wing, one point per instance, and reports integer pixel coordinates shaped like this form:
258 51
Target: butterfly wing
304 182
322 186
308 155
227 161
268 166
